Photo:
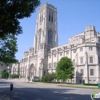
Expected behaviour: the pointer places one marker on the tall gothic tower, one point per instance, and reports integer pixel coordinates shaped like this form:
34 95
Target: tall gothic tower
46 36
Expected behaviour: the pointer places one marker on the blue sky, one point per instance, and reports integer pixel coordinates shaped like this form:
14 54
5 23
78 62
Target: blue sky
73 17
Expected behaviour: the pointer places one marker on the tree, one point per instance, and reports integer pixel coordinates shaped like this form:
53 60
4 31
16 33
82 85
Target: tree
64 69
4 74
13 10
8 48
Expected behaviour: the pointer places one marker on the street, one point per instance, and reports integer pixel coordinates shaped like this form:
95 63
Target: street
36 91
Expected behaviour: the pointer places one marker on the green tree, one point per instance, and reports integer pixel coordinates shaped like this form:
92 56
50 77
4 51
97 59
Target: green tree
11 12
4 74
8 49
64 69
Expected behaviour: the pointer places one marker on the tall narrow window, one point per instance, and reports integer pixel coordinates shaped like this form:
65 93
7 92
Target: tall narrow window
42 17
49 15
52 17
81 71
49 65
50 37
81 60
91 59
55 64
39 35
99 59
91 72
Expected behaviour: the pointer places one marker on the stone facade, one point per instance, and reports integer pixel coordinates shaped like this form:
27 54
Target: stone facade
83 49
15 68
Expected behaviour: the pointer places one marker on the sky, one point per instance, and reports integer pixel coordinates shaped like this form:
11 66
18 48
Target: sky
73 16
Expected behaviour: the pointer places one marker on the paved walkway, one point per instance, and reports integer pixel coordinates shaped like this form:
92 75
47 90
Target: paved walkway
17 80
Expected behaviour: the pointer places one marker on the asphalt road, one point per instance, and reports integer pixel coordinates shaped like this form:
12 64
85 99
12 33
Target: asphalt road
27 91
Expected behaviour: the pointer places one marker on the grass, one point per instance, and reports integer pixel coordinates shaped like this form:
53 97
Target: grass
86 86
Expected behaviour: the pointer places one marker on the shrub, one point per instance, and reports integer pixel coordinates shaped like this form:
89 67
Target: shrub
14 76
4 74
48 77
91 84
37 80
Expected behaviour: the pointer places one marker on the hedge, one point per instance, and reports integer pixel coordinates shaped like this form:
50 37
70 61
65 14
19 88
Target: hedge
91 84
14 76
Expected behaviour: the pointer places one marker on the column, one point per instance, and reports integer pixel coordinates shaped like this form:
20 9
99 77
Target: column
86 68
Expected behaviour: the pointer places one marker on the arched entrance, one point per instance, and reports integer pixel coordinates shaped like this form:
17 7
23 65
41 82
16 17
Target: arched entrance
31 72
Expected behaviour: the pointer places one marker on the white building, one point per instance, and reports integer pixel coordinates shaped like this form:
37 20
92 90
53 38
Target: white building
15 68
83 49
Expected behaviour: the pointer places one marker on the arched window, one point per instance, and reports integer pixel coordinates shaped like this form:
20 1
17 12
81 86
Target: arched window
50 37
55 64
39 35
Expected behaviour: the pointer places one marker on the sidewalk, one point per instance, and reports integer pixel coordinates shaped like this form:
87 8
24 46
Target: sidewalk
17 80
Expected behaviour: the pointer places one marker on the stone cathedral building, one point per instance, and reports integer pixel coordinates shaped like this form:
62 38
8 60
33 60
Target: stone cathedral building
83 49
